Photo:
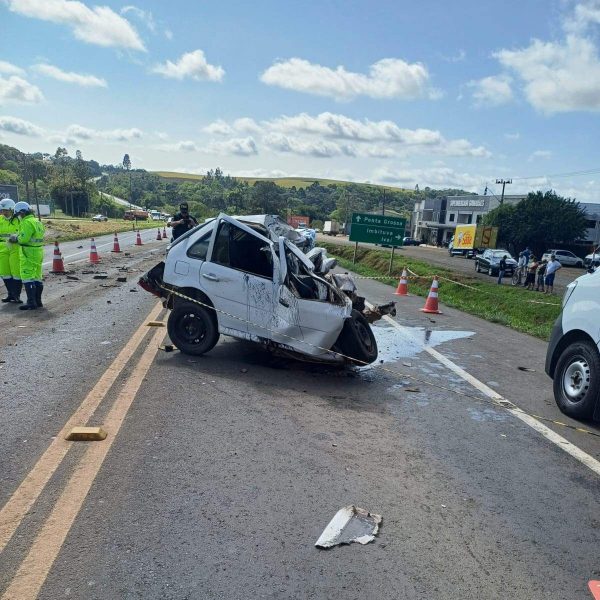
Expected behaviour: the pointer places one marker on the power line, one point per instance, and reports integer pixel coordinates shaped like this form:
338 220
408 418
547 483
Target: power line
570 174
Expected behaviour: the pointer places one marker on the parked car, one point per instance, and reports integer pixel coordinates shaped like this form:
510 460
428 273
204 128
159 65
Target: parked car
573 356
409 241
246 278
490 261
99 218
592 260
564 257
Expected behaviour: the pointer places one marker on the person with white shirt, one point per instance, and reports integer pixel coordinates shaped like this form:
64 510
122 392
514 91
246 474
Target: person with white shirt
551 268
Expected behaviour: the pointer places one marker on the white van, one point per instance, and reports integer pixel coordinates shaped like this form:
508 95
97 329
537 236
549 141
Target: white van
573 356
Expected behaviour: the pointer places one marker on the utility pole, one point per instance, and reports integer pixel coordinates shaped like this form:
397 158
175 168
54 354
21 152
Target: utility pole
503 182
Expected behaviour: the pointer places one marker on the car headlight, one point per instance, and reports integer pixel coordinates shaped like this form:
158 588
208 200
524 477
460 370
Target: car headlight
568 292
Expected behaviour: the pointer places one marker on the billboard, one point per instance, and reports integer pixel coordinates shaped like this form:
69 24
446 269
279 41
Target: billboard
9 191
464 237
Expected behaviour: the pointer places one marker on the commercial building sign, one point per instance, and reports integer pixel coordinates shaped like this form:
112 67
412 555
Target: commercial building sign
377 229
467 203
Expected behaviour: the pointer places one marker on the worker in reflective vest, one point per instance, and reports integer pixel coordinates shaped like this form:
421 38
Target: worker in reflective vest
31 249
10 268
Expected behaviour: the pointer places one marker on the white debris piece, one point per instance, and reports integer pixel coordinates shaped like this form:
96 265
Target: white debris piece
350 524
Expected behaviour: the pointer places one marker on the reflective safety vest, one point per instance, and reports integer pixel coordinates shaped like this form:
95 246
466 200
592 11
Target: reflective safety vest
31 232
8 227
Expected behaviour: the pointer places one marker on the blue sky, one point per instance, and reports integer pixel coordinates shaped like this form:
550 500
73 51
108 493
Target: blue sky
433 93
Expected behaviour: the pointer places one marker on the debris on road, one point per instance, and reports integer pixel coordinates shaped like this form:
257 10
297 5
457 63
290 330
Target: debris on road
100 277
166 348
73 277
121 279
527 369
155 324
412 389
86 434
350 524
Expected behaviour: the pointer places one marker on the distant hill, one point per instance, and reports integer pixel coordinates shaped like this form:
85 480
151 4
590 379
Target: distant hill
285 182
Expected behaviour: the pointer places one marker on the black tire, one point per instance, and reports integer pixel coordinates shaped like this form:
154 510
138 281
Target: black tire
477 267
357 341
192 328
577 380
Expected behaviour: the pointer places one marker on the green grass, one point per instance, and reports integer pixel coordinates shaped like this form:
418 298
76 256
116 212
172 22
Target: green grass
286 182
68 230
507 305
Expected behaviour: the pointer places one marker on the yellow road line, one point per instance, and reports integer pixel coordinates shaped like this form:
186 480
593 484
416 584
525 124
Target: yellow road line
33 571
19 504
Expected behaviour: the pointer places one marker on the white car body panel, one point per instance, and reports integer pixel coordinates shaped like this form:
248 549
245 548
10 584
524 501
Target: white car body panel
582 309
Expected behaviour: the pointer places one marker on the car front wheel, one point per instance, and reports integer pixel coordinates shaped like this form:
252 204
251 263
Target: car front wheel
577 380
356 340
192 329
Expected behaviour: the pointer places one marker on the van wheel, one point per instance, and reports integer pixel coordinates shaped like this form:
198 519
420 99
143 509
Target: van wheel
577 380
357 341
192 328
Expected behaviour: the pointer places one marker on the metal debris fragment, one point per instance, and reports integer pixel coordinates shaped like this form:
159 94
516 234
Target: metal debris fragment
527 369
166 348
155 324
350 524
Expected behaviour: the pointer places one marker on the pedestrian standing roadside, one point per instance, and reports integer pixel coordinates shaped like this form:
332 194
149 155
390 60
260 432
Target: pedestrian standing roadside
551 268
521 266
541 273
531 270
502 269
9 253
182 222
31 249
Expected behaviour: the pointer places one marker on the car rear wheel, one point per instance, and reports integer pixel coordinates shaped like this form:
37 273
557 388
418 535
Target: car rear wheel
477 269
577 380
357 341
192 328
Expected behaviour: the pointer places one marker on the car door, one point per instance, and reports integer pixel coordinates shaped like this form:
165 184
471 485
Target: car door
238 278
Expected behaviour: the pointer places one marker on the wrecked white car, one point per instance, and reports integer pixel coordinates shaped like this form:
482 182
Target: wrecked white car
241 277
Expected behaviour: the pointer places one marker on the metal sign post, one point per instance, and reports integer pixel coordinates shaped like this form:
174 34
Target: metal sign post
377 229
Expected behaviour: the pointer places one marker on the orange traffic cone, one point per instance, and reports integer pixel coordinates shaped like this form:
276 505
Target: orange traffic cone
158 236
94 258
402 289
58 266
431 304
138 240
164 233
116 246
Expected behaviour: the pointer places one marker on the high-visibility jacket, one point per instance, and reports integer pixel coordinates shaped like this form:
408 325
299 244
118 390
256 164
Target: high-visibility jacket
31 245
9 253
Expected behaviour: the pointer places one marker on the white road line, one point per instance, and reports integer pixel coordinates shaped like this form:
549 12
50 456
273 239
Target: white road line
583 457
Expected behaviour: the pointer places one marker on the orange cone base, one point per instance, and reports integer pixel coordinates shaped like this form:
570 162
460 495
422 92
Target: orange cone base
432 312
400 292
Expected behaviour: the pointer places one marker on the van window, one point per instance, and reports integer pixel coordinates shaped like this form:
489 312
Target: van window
242 251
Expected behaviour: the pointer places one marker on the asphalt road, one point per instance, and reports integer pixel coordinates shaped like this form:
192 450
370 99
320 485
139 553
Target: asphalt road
440 257
219 473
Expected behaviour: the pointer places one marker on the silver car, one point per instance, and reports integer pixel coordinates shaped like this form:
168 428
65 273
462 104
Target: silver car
564 257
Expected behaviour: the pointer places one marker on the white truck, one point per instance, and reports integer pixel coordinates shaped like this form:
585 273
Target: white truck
331 228
573 356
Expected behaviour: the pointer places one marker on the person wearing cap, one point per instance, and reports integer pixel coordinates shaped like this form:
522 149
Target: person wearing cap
31 249
10 269
182 221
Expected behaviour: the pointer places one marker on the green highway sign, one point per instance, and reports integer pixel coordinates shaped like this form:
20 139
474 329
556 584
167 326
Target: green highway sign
377 229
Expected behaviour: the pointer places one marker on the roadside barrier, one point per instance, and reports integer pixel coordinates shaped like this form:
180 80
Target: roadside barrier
116 246
58 266
499 402
158 236
431 304
138 239
402 289
94 258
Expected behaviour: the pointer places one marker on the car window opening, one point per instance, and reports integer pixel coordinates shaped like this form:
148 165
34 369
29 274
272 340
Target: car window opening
242 251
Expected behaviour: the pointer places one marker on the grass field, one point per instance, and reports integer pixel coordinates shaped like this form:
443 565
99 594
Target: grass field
507 305
286 182
67 230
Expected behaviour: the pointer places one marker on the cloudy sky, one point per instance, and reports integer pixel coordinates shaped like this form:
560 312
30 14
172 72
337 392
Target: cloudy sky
398 92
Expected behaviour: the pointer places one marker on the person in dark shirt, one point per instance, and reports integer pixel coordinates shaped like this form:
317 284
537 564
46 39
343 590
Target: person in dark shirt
182 221
502 269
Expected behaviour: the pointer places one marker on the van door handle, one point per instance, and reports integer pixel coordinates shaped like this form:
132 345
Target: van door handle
210 276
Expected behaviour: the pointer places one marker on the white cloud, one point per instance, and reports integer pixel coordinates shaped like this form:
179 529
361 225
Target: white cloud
261 173
243 125
540 154
192 65
143 15
10 69
492 91
558 76
456 58
99 25
69 76
387 78
183 146
303 147
435 177
111 135
239 146
219 127
512 136
20 127
17 89
168 34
